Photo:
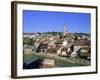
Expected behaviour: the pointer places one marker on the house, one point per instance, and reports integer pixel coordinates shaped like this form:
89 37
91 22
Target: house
42 48
27 51
29 35
51 44
65 50
48 63
85 53
59 42
78 44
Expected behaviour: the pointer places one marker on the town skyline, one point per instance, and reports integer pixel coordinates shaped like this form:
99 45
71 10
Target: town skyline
44 21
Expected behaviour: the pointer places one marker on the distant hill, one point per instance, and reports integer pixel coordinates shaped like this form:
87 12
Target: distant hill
58 33
28 33
80 34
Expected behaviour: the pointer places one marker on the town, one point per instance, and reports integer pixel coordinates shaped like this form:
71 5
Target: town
56 49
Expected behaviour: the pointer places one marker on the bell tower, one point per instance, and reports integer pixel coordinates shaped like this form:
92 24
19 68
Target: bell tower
65 30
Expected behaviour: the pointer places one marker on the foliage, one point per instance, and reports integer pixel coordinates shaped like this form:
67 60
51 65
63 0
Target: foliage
29 41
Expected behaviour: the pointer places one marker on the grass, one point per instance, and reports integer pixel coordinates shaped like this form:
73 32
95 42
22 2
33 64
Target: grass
61 63
58 63
30 57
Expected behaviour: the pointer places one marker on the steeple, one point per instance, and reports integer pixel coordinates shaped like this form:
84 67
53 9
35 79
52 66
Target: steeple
65 30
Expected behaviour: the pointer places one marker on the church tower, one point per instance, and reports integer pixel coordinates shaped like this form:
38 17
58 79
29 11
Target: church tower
65 30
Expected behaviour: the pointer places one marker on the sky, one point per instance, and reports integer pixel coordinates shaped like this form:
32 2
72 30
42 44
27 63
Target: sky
48 21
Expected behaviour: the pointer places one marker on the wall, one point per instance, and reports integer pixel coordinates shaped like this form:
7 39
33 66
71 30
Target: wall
5 40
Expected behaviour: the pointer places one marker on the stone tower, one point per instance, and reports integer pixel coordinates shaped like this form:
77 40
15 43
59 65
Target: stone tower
65 30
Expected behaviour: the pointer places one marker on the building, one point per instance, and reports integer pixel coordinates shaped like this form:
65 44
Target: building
65 30
78 44
85 53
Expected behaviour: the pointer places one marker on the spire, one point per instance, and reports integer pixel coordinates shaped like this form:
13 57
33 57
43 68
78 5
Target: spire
65 30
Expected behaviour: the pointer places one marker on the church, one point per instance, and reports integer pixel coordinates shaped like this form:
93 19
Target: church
66 34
